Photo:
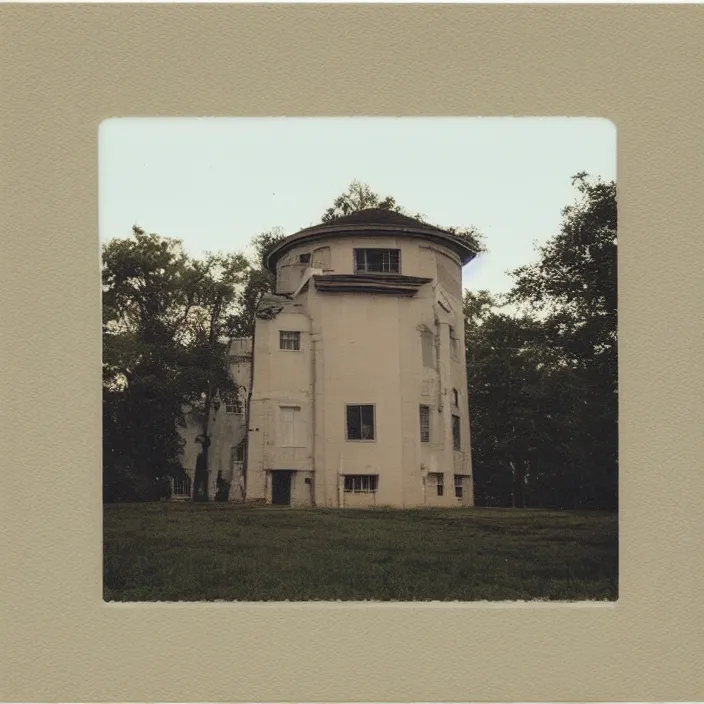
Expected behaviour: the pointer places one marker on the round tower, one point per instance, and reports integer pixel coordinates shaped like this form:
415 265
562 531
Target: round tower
359 394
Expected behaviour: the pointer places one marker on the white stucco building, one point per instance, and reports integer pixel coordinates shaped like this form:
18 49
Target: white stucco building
355 380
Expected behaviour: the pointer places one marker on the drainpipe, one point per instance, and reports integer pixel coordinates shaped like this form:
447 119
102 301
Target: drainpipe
315 369
313 407
340 481
424 479
248 416
441 385
314 412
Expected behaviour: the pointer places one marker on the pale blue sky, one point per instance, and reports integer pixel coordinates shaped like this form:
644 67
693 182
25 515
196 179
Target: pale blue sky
214 183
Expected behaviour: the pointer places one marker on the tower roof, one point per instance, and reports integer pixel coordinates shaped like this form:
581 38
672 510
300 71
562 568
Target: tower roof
372 221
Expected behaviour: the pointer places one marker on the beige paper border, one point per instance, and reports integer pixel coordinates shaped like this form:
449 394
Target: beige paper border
63 69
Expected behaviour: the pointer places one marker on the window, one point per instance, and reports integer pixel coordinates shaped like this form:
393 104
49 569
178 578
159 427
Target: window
425 423
304 258
361 483
456 432
237 453
427 343
454 342
291 430
233 404
458 486
289 340
438 479
455 397
387 261
360 422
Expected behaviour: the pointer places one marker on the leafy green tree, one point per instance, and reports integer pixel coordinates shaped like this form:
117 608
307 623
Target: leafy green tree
166 325
259 280
573 288
360 196
543 381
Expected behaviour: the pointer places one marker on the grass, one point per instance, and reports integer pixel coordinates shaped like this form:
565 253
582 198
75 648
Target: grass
203 552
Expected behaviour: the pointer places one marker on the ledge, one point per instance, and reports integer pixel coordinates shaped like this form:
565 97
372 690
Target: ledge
392 284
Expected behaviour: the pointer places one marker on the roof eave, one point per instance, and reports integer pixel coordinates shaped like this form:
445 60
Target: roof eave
463 251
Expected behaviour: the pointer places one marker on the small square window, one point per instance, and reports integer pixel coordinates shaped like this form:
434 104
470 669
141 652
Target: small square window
233 404
289 340
304 258
360 422
438 479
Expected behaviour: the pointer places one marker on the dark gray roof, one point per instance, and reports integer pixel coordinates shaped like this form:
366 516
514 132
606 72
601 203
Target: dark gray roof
372 220
379 216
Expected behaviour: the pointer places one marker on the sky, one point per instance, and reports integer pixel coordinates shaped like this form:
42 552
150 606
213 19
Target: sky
214 183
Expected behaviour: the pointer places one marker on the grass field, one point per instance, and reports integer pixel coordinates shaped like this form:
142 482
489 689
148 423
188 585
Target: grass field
201 552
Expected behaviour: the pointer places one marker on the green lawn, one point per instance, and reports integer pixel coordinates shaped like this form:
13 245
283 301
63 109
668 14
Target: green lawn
201 552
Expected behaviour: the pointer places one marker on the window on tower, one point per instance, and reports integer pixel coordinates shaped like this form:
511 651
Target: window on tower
456 444
425 423
377 261
360 422
437 479
289 340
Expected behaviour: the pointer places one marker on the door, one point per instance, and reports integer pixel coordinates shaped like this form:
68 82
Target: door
281 487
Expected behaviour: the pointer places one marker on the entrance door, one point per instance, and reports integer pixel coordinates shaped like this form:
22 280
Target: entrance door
281 487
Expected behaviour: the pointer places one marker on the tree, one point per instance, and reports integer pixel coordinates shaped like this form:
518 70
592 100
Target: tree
543 381
259 280
166 326
360 196
505 370
573 287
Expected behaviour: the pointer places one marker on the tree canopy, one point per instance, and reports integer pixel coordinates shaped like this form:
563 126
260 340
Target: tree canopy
167 322
360 196
543 382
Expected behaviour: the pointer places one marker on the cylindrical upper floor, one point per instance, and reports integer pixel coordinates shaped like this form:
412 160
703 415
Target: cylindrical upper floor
371 242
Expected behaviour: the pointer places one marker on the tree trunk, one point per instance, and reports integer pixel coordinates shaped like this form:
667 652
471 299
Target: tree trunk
202 475
519 478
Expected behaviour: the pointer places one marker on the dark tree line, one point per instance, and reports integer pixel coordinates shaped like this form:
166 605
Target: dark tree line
543 381
541 361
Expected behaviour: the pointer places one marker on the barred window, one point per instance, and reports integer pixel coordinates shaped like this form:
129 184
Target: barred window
425 423
437 479
458 486
360 422
289 340
361 483
233 404
456 433
377 261
237 453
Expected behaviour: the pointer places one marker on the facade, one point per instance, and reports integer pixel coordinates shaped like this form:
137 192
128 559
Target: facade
358 380
228 431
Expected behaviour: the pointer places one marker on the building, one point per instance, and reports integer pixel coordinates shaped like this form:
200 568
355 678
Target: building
355 379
